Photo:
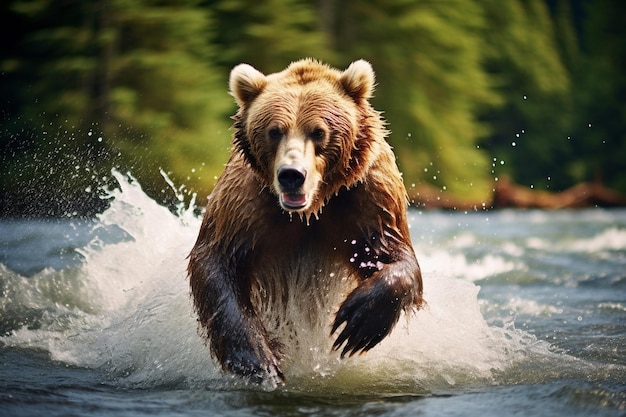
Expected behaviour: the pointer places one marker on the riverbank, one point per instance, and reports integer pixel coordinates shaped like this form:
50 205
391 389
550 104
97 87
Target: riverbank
507 194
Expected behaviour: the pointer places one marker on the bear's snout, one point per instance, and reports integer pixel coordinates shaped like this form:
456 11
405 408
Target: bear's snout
291 178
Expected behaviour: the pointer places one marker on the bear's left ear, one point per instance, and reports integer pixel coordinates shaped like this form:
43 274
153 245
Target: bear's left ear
246 83
358 80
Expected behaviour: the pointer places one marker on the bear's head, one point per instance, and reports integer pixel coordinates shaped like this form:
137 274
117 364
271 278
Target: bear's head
308 131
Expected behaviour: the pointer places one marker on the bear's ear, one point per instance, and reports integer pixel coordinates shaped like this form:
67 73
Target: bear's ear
358 80
246 83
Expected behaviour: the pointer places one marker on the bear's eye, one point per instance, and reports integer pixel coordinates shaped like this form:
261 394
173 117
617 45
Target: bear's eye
318 134
275 133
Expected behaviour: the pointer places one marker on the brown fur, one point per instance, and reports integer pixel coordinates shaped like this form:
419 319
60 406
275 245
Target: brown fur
267 248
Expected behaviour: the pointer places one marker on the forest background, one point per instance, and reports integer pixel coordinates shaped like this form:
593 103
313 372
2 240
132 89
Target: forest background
472 90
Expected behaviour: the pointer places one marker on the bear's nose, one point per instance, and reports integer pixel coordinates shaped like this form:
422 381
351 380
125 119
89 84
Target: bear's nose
291 178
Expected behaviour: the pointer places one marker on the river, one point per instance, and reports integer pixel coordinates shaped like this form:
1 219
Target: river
526 315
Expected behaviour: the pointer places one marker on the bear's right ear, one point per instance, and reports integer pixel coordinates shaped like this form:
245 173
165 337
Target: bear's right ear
246 83
358 80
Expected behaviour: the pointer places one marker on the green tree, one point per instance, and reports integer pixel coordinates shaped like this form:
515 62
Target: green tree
428 59
165 94
560 70
599 128
40 141
115 82
267 34
524 58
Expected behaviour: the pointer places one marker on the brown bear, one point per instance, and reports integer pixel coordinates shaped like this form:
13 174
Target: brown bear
308 219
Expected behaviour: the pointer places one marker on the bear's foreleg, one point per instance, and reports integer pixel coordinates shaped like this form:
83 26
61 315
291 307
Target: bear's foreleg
373 308
237 338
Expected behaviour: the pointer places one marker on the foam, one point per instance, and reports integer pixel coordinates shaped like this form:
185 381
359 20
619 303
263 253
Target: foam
611 239
438 262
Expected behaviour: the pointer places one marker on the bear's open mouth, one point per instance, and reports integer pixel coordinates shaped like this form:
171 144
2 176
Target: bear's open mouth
293 201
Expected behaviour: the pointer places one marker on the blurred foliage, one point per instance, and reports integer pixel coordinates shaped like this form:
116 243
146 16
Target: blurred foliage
598 138
267 34
123 83
471 89
428 60
529 132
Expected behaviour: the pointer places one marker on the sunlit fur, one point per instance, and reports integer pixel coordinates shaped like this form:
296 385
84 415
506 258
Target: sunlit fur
305 96
260 274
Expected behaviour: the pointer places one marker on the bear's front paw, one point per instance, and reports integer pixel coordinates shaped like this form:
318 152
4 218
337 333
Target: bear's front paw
259 365
369 314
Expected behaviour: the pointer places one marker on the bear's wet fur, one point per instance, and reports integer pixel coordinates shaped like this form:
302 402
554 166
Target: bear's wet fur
309 216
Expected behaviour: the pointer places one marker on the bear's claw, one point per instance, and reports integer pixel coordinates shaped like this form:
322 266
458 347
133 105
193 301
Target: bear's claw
369 313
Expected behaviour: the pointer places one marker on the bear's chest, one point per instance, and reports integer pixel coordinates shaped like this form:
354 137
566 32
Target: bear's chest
299 267
298 261
297 292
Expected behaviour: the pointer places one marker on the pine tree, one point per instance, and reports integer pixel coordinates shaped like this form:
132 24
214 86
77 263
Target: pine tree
169 104
599 128
267 34
428 60
116 82
529 139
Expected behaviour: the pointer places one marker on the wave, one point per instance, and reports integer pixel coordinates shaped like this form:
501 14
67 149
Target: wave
611 239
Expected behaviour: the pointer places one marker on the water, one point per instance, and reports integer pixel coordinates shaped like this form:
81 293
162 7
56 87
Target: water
526 315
